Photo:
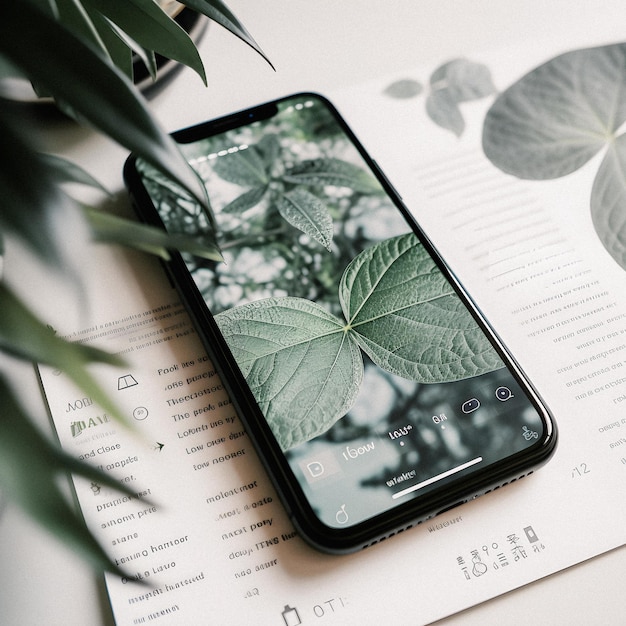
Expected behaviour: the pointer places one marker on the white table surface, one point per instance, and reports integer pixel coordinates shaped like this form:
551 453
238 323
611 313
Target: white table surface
319 45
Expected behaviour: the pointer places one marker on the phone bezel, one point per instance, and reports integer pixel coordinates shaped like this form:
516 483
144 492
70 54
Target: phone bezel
468 485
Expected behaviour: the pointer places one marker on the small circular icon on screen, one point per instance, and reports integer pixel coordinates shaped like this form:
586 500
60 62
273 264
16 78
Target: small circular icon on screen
503 394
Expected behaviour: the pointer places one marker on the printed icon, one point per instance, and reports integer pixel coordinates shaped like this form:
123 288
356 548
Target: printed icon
530 534
342 517
291 616
479 568
470 406
529 434
315 468
159 446
95 487
503 394
140 413
126 381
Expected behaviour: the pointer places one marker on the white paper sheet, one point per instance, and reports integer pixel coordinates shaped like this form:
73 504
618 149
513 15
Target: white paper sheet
206 530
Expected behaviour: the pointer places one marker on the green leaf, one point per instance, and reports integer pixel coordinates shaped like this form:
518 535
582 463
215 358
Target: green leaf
334 172
29 470
9 70
24 336
608 201
408 319
308 214
244 167
303 369
65 171
49 7
245 201
73 16
28 189
147 24
220 13
109 228
181 214
558 116
304 366
148 57
74 73
118 45
269 149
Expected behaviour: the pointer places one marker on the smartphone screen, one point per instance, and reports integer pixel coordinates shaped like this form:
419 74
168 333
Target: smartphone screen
377 380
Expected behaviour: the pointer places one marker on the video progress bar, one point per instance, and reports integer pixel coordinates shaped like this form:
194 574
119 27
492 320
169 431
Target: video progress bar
434 479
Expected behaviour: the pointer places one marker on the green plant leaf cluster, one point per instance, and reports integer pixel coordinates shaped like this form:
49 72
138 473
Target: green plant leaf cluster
304 365
191 227
70 49
81 78
294 189
271 190
29 464
119 28
559 116
79 52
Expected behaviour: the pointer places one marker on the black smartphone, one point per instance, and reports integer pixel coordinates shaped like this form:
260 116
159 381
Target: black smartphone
375 393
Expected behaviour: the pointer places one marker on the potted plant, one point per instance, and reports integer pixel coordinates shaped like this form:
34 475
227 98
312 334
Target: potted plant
79 53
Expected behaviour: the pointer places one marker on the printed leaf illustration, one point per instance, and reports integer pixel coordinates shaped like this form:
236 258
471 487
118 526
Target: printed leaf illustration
463 80
303 369
332 172
307 213
456 81
608 201
304 365
557 117
407 317
404 89
445 112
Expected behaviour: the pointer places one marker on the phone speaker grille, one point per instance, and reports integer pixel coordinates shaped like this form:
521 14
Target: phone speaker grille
508 482
395 532
401 530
